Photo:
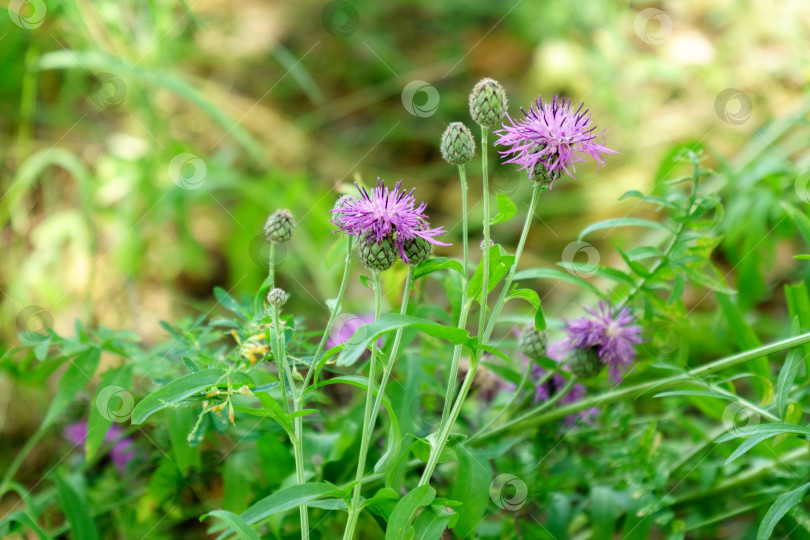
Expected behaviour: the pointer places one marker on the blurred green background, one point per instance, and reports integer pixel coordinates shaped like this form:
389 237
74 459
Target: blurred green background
145 143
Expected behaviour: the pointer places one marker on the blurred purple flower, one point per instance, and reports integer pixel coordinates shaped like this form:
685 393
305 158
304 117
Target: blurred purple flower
345 327
613 332
122 451
553 136
381 212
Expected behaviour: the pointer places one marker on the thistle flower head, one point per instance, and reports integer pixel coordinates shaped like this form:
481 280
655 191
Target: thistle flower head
280 226
488 103
532 342
457 145
277 297
551 137
613 335
382 214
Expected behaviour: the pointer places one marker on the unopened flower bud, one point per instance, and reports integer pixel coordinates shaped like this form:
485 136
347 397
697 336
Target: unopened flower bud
458 145
277 297
585 363
417 250
377 255
532 342
280 226
488 103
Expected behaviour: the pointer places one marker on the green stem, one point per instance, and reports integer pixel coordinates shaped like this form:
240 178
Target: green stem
281 362
314 370
298 448
482 318
452 381
462 176
535 418
444 429
271 267
354 509
507 285
484 331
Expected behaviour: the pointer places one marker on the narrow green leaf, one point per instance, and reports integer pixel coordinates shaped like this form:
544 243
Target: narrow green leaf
559 275
746 339
787 375
473 479
242 529
175 392
622 222
81 370
76 510
287 499
775 428
748 444
798 301
783 504
364 334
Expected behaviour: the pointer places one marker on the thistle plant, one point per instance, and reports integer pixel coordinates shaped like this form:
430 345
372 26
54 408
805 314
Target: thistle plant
306 399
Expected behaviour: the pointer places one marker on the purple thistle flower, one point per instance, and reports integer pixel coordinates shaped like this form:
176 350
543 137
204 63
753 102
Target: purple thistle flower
122 451
552 136
612 332
381 212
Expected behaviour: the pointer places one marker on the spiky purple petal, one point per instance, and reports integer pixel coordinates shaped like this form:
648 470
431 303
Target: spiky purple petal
553 136
381 212
613 332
